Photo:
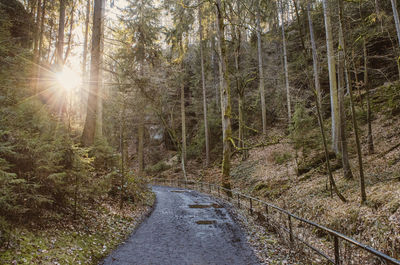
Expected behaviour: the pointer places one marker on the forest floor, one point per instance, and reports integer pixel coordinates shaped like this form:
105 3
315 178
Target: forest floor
84 241
270 173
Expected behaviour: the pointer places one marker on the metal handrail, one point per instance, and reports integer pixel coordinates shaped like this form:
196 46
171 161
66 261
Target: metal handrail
336 235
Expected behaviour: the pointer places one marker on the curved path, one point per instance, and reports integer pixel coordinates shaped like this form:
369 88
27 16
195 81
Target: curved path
185 228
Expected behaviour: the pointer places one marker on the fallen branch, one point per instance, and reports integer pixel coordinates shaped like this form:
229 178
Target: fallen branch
240 149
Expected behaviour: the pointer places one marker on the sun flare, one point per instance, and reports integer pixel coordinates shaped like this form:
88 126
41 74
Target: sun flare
68 79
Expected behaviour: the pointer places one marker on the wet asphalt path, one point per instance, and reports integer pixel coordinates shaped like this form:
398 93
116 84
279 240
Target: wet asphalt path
178 233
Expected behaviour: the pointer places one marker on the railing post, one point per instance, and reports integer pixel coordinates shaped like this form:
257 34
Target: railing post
219 194
209 186
290 229
337 252
251 206
267 213
201 186
238 200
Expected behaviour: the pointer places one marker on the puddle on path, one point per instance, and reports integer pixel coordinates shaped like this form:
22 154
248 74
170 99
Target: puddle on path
205 222
202 206
178 191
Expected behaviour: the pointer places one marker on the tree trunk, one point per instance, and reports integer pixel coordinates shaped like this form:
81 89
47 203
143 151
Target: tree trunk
42 29
315 58
261 72
396 19
237 39
341 87
214 70
353 112
183 120
122 149
60 43
285 61
36 47
332 77
397 23
89 130
141 145
370 141
225 93
320 119
203 81
299 25
99 122
84 86
37 30
71 25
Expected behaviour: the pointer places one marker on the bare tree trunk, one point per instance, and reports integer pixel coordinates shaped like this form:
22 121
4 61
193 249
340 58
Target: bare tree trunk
71 25
42 29
122 149
240 88
289 108
225 93
50 41
214 69
60 43
36 47
370 141
203 81
320 119
300 26
315 58
99 122
332 77
141 145
396 19
378 14
397 23
86 38
183 119
89 130
341 85
353 113
261 72
84 86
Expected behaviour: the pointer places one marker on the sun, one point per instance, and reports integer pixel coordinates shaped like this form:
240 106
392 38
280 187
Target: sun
68 79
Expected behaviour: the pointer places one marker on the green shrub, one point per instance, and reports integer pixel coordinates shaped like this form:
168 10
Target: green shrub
303 132
281 158
157 168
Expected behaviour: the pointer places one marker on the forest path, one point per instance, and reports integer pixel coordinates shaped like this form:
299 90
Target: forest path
186 227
